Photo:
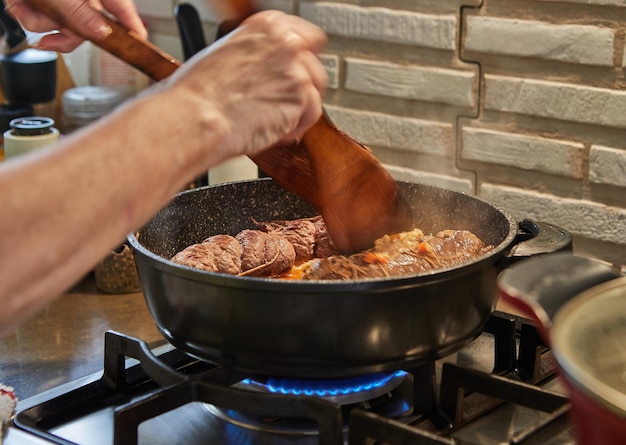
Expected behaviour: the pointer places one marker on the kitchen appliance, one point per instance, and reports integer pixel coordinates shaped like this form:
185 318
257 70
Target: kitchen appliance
500 389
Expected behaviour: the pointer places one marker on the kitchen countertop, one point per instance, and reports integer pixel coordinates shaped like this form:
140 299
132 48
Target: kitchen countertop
65 341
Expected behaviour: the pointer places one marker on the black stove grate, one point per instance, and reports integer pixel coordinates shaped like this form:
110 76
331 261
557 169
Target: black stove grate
157 385
467 394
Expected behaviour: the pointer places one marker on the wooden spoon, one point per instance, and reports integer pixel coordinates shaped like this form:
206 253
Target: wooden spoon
356 196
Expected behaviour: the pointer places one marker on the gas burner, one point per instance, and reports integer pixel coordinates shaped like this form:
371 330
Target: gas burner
272 425
343 391
386 393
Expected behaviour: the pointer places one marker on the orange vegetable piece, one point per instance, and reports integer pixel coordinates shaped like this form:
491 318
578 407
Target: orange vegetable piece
373 258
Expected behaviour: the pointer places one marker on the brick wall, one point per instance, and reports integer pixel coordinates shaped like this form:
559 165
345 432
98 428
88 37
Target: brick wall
522 102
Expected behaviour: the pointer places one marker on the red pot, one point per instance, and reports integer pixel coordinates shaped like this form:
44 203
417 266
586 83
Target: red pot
580 305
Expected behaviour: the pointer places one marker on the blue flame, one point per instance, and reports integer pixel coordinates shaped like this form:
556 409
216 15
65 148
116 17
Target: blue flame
326 387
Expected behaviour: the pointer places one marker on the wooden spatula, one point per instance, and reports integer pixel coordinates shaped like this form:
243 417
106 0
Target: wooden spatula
356 196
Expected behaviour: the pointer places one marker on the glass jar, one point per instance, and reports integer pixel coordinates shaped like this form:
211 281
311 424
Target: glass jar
86 104
27 134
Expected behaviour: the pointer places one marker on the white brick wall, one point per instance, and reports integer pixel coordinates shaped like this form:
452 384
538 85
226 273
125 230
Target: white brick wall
588 45
581 217
430 84
550 156
591 2
445 181
382 130
333 69
556 100
383 24
607 166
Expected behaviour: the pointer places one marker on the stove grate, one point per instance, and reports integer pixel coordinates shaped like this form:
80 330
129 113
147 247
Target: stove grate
157 385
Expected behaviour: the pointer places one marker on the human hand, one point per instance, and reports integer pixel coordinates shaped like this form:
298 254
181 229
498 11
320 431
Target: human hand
264 79
83 13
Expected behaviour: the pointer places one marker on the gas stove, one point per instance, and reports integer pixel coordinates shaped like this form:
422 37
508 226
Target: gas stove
501 388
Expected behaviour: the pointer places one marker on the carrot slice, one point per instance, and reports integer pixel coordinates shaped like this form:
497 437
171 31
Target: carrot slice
373 258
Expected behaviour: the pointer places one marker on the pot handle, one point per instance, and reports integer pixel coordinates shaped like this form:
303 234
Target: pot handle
540 286
536 238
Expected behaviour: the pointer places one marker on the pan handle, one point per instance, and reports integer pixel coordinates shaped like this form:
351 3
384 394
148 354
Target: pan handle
538 238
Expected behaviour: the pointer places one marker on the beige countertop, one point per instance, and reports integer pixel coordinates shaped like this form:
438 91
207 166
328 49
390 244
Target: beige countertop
66 340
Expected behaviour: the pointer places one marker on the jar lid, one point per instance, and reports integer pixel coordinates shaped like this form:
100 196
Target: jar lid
31 56
32 125
90 101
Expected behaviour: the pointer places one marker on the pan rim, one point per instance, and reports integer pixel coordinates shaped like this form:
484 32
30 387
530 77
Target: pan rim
430 276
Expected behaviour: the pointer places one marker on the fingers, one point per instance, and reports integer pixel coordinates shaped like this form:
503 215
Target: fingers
28 18
316 71
313 92
308 40
301 40
126 13
42 16
64 41
295 81
313 38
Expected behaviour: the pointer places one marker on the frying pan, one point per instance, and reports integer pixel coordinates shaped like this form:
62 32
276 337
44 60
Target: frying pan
318 328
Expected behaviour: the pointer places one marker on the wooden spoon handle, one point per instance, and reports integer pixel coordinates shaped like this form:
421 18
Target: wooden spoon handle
122 43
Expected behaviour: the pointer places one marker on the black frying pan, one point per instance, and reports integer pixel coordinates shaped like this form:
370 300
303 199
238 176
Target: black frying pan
316 328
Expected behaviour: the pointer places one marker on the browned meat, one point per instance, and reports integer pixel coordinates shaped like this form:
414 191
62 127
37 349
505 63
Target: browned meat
219 253
264 254
299 232
459 243
324 246
404 253
273 250
309 236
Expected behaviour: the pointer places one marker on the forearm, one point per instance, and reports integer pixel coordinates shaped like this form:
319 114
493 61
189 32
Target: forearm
63 209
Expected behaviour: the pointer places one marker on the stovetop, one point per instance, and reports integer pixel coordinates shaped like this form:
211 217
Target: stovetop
502 388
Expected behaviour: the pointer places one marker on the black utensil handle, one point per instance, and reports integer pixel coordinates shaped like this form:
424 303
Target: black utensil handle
190 28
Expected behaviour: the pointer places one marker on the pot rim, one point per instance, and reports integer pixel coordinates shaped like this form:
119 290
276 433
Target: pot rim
566 328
